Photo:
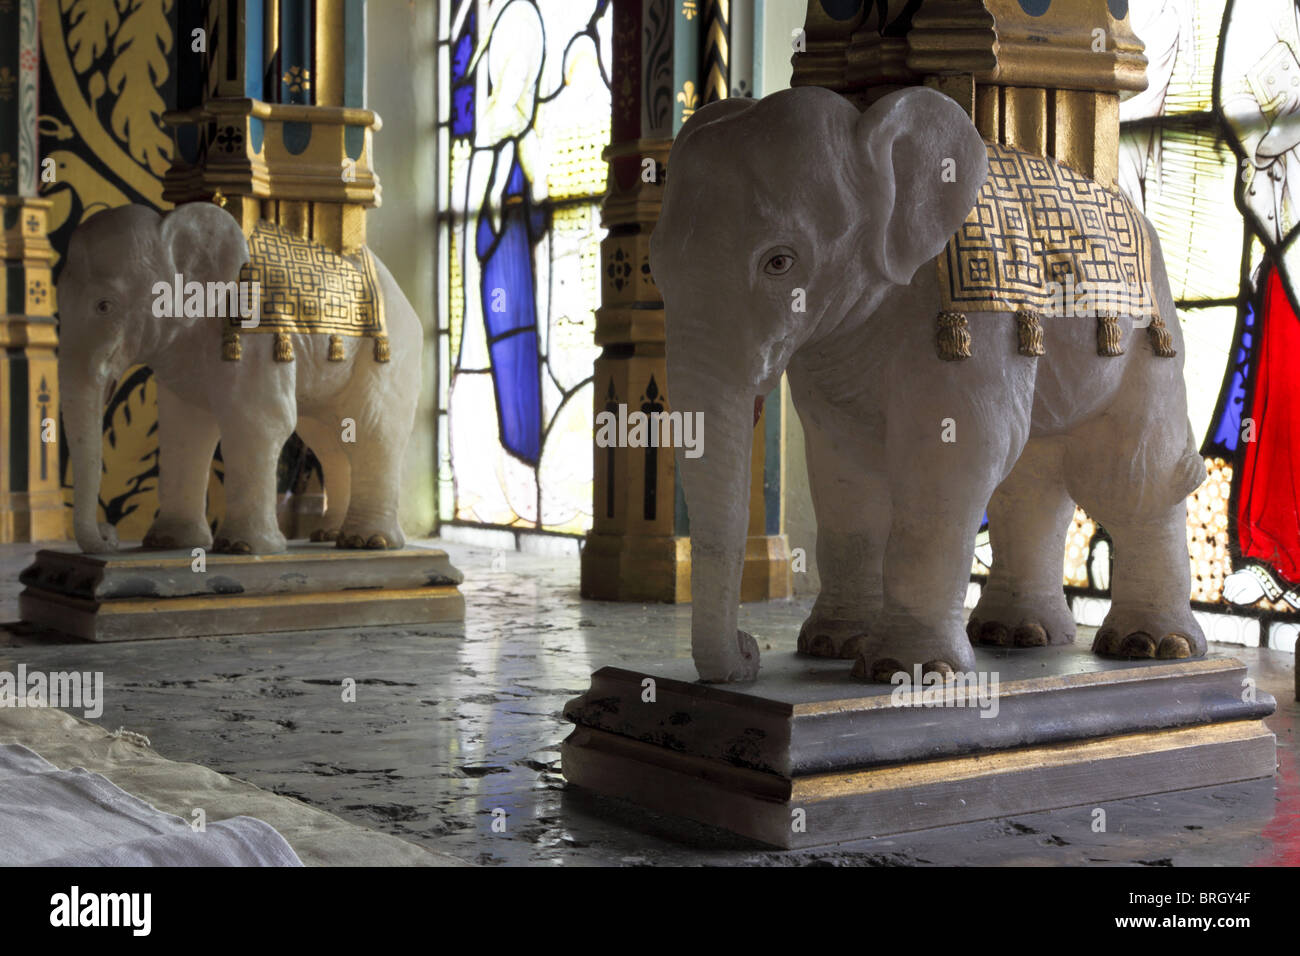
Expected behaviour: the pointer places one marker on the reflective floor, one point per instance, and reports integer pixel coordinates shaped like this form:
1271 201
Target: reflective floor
453 724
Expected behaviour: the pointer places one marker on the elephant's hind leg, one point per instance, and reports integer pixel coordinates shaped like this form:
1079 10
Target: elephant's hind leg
1023 603
1150 615
1135 482
187 437
376 460
327 445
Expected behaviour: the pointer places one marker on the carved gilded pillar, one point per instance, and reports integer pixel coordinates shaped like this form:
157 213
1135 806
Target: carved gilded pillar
31 506
281 132
277 128
1046 82
670 58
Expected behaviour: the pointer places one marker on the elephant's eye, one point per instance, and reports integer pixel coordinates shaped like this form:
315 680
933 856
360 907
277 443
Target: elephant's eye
779 264
103 306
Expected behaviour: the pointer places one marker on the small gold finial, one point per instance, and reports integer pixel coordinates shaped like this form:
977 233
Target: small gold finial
219 198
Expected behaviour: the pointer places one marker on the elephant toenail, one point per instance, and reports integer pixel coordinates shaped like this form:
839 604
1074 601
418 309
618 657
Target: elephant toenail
377 542
852 647
1138 644
884 669
802 646
221 544
1106 641
995 633
1030 634
1174 647
822 646
942 668
241 547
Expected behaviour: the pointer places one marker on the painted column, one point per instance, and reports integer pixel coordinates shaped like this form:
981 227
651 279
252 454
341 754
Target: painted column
31 506
670 58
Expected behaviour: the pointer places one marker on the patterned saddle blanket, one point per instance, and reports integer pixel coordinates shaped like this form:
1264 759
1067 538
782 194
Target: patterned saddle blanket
308 289
1039 235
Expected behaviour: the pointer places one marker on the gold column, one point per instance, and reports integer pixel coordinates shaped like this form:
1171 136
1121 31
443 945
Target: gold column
31 504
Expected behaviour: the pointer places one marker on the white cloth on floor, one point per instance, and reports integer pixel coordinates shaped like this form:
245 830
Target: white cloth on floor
52 817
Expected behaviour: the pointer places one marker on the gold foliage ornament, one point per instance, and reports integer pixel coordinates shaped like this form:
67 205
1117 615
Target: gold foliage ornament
336 348
283 347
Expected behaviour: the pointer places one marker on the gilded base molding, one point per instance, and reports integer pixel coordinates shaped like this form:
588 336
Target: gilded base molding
658 568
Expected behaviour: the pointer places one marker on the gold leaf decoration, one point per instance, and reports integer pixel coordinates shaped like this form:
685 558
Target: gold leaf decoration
139 66
91 25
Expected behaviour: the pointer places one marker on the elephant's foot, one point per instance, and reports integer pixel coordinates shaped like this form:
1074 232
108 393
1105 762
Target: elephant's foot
740 664
827 637
168 534
1005 622
1146 635
325 534
233 538
941 650
380 539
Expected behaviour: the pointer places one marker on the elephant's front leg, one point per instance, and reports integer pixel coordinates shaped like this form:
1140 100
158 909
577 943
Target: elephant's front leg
252 433
187 437
944 461
852 507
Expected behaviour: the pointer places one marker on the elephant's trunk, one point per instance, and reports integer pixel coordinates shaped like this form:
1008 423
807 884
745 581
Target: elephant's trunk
717 495
83 415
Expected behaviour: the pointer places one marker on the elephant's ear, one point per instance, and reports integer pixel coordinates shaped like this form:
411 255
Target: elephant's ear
205 242
717 110
925 164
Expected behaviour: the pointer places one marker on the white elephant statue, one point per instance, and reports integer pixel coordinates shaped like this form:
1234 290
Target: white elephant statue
352 397
798 234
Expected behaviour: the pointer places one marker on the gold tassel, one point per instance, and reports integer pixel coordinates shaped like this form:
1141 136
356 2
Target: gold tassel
382 352
1110 341
1029 325
230 350
954 337
336 348
283 347
1162 341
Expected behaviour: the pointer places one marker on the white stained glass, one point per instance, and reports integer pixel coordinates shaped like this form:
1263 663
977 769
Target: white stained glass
1207 341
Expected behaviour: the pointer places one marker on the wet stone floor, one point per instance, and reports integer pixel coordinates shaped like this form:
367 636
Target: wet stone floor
453 722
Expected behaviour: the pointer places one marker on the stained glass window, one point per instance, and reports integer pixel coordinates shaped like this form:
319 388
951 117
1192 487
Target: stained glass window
1211 153
524 117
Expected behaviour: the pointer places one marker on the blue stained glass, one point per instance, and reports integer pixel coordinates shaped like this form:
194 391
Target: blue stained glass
462 110
515 373
510 317
1228 431
463 50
